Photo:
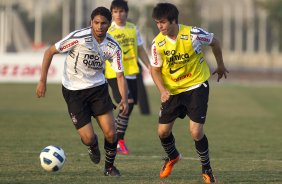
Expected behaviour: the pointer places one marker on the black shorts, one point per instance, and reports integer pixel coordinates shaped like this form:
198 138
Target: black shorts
82 104
132 89
193 103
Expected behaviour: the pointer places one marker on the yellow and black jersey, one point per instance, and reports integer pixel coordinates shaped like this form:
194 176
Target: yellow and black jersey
127 38
182 61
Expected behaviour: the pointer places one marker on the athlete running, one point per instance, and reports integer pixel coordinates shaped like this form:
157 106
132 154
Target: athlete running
84 85
181 74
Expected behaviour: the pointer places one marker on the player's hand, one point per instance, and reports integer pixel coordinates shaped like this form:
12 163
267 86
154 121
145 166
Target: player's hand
40 89
221 71
165 96
123 107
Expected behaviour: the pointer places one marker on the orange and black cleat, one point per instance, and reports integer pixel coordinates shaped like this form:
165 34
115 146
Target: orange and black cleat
208 177
168 165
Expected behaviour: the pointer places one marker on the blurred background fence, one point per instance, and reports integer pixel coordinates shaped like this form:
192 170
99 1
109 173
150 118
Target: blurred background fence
249 30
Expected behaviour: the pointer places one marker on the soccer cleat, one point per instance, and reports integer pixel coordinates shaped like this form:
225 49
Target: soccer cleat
121 147
168 165
94 154
112 171
208 177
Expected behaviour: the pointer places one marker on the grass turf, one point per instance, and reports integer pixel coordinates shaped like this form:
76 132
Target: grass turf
243 127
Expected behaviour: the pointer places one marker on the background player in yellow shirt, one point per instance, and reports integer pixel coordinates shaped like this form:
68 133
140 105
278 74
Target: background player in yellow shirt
181 74
129 38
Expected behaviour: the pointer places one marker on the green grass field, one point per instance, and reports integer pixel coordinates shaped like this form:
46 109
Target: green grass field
244 127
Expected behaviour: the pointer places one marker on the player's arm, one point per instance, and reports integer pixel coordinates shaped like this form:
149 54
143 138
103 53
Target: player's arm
122 86
143 56
141 51
116 64
216 49
156 68
47 59
157 78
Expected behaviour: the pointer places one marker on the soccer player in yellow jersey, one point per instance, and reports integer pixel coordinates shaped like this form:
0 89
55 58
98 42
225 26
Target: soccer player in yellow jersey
181 74
128 36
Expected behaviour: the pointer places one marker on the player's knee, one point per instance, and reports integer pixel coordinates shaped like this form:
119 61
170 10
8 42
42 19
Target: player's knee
87 139
110 136
163 134
196 134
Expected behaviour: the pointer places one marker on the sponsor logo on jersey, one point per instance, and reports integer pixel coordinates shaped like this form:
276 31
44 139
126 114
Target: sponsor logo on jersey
111 45
68 45
171 71
181 77
93 61
119 36
118 59
155 55
125 52
204 39
88 39
184 37
123 41
176 58
161 43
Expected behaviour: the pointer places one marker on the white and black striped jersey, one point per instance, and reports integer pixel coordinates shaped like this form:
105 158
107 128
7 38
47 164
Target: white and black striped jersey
85 61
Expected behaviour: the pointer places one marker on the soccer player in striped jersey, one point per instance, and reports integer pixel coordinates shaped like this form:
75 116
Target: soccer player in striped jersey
84 85
129 38
181 74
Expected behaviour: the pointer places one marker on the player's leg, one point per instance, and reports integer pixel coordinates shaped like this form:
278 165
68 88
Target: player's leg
106 122
202 147
122 125
169 111
122 120
197 112
90 139
80 114
168 144
102 110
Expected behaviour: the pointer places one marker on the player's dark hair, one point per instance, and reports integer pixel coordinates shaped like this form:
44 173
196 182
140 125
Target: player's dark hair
119 4
102 11
165 11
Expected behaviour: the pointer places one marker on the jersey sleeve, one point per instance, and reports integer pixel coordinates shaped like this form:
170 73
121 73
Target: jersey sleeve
200 36
157 60
138 36
116 60
67 43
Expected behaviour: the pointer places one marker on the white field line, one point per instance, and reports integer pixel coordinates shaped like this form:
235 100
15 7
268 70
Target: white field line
155 157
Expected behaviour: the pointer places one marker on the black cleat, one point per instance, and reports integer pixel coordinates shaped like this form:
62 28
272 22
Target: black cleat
112 171
94 154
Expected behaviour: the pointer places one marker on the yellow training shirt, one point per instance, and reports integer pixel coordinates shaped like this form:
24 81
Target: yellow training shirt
126 36
182 62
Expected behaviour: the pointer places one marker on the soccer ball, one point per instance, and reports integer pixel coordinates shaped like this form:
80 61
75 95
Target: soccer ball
52 158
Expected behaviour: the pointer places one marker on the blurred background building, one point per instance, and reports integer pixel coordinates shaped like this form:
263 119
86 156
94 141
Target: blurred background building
249 30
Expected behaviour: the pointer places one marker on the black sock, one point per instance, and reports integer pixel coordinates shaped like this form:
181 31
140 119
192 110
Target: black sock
168 144
202 147
121 123
110 151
